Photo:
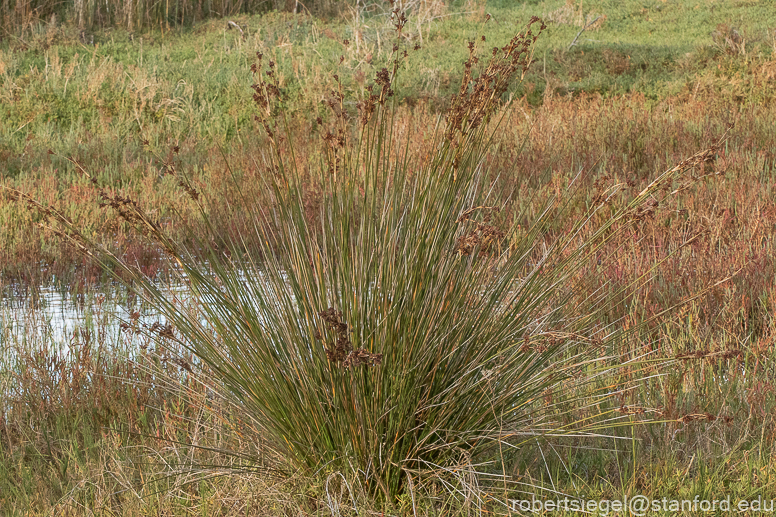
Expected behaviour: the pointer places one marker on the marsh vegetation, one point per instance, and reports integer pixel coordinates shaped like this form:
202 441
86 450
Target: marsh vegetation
410 287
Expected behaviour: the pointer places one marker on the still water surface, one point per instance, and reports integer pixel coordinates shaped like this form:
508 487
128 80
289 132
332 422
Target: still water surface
54 317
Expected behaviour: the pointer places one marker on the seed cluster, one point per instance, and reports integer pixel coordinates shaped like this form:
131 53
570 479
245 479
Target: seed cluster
266 95
478 97
339 350
484 236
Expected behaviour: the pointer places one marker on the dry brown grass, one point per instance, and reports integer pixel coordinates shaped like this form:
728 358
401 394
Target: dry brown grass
624 141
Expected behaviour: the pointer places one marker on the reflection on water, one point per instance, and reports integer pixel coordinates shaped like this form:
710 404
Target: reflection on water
54 317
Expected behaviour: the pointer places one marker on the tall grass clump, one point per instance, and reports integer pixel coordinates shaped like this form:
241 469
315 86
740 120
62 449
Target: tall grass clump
390 325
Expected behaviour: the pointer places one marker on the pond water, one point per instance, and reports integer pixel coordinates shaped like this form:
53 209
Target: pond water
53 317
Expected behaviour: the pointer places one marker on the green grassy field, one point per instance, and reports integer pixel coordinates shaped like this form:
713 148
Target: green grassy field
99 103
108 428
